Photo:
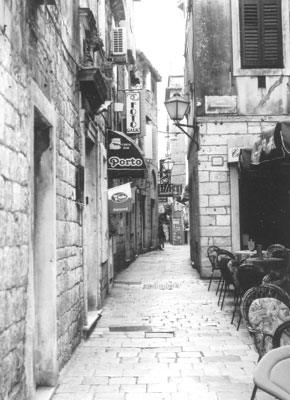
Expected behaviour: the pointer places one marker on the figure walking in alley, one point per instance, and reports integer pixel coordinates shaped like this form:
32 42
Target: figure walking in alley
161 236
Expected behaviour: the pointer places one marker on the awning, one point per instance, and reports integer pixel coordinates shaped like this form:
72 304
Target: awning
125 158
273 144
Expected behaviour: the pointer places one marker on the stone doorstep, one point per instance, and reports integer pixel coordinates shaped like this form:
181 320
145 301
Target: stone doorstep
44 393
92 318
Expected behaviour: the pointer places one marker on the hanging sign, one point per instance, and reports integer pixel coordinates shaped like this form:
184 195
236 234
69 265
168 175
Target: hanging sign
133 115
124 156
120 199
165 190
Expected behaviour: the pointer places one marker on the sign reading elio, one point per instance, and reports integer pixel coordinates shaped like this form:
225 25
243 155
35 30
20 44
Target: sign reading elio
120 199
125 158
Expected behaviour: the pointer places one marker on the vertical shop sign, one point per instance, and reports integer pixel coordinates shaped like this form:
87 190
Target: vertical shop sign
133 115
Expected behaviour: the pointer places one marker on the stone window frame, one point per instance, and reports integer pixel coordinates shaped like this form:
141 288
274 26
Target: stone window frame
236 43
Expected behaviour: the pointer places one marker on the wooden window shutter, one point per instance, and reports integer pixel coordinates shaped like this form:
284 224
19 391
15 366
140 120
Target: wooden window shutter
272 34
249 13
261 34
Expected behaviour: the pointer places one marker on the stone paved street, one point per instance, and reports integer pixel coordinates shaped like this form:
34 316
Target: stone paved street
162 337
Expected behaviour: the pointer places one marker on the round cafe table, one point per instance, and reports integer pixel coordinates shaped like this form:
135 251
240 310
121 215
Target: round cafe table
243 254
268 263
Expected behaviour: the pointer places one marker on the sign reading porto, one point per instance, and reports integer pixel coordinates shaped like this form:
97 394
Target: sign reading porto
133 119
125 158
120 199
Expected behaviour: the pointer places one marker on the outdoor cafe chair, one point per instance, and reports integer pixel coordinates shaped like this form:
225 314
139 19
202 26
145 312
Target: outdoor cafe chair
268 374
272 248
245 276
212 252
263 291
265 315
283 283
282 335
223 257
264 309
272 373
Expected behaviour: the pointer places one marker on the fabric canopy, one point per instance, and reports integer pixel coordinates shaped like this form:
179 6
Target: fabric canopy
273 144
125 158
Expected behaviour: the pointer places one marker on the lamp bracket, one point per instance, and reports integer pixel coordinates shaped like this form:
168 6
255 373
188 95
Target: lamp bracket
192 138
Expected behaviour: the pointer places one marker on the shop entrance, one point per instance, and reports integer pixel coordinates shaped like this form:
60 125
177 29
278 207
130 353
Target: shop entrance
264 193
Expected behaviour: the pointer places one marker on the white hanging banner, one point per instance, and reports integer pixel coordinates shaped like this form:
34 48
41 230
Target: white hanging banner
120 199
133 114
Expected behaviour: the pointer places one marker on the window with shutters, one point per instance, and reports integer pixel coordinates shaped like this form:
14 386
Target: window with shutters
261 34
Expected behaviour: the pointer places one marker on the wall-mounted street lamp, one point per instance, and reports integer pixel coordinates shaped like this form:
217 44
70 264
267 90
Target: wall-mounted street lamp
177 107
168 163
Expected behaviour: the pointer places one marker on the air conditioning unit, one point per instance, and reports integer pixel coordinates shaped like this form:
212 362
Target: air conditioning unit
119 42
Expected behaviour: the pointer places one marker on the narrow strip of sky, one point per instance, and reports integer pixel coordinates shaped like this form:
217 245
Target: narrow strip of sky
159 29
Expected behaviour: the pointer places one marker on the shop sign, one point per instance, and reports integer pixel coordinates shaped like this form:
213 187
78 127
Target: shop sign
120 199
165 189
233 154
133 114
124 156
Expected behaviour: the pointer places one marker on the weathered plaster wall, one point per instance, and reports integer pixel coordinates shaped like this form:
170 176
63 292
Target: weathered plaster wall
271 100
212 43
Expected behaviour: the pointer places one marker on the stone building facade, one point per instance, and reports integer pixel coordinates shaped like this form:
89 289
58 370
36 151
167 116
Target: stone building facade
42 290
236 95
59 82
136 232
177 146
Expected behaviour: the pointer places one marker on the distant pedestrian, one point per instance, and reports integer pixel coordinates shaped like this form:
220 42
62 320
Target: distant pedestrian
161 236
166 231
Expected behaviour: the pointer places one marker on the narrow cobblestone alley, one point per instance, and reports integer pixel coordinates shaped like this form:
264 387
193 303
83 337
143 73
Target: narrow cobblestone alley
162 337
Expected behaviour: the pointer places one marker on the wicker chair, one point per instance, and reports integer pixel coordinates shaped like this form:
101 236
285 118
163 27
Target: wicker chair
268 366
279 251
264 309
273 248
223 258
266 290
282 335
246 276
212 253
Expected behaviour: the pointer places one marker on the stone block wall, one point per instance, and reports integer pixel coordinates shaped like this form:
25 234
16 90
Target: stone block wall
215 192
58 80
14 206
214 186
37 43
